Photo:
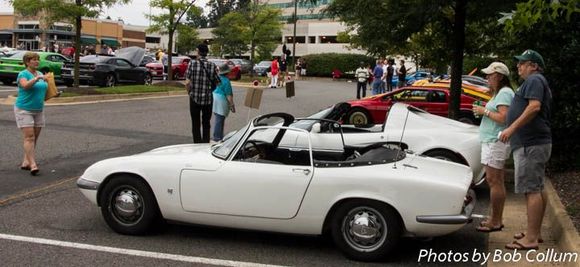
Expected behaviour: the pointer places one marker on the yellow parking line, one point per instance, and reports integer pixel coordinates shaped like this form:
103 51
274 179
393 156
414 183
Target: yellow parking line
36 190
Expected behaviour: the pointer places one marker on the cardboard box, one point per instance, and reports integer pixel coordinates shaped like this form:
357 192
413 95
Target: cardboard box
253 98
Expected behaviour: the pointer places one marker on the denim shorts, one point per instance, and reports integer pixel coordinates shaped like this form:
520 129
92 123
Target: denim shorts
25 118
494 154
530 167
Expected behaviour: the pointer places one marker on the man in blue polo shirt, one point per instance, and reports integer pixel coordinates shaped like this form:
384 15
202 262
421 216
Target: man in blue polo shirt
377 74
530 137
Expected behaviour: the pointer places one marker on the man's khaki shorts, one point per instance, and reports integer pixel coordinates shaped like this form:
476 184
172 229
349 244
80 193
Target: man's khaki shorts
25 118
530 168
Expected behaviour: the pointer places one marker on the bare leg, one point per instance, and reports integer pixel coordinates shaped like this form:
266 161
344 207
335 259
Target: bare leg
495 179
535 207
29 144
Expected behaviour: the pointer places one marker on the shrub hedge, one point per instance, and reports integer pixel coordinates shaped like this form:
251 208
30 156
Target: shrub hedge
322 65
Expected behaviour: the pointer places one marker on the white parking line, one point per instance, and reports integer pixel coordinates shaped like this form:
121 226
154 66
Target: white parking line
9 90
132 252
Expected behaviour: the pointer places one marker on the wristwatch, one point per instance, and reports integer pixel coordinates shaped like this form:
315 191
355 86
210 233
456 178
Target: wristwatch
486 112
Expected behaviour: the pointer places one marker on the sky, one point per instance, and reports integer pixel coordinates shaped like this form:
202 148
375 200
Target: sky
132 13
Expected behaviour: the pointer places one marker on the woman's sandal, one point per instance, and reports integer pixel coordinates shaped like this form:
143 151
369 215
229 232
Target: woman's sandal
517 245
521 235
488 229
34 172
26 168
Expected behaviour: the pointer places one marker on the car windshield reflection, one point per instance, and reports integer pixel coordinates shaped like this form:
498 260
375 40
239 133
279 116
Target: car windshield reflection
226 146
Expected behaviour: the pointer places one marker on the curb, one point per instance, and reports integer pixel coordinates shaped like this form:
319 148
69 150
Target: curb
563 230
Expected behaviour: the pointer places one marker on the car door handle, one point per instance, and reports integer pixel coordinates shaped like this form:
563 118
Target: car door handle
305 171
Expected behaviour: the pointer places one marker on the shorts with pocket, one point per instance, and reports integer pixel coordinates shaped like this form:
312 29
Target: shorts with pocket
530 168
494 154
26 118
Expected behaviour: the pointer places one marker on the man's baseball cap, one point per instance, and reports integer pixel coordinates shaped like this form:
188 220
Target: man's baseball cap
497 67
533 56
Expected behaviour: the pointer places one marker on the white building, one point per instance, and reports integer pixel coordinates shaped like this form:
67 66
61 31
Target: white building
314 33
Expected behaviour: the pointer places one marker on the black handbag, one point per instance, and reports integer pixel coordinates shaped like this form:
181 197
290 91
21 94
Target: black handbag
211 81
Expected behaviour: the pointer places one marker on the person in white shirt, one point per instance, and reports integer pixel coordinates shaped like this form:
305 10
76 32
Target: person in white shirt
362 75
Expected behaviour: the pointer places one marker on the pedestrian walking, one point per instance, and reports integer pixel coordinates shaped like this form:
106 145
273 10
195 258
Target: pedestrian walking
28 109
362 75
201 79
283 72
494 152
402 73
298 68
530 137
275 68
377 74
223 103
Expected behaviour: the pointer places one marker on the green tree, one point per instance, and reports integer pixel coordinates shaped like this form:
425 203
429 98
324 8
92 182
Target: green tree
187 39
167 23
219 8
230 36
419 28
65 11
195 18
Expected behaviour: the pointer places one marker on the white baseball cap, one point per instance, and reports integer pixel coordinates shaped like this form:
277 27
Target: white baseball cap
497 67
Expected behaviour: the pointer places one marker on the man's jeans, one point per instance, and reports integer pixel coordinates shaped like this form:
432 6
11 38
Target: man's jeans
218 128
361 87
195 110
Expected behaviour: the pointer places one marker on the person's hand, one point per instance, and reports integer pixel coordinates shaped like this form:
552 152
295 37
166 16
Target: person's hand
506 134
39 77
233 108
479 110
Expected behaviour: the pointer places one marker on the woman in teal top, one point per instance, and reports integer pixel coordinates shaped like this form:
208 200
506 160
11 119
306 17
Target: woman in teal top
494 152
28 108
223 103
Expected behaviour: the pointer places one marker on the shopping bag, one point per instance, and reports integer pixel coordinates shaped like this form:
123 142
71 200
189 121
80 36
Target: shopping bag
51 91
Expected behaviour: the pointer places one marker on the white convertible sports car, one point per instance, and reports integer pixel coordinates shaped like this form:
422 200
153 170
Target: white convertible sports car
417 131
262 178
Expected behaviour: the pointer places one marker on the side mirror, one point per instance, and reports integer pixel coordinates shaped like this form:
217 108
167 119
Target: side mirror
315 128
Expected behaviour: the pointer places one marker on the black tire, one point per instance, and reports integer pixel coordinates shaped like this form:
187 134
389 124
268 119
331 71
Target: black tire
239 76
359 116
7 81
148 79
467 118
68 83
175 75
445 155
138 211
110 80
375 240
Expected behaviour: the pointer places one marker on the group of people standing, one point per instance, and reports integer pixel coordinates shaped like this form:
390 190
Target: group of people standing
519 122
380 78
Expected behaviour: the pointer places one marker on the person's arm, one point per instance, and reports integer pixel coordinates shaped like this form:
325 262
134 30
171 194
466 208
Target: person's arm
529 113
27 84
498 116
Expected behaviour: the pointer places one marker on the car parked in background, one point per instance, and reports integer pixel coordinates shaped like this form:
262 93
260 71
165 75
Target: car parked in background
146 60
12 65
432 97
108 71
244 64
178 66
262 67
235 72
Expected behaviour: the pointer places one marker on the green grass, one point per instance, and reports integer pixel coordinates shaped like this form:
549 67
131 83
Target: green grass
68 94
132 89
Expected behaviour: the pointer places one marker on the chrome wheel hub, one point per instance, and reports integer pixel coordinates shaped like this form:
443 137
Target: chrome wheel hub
127 206
364 229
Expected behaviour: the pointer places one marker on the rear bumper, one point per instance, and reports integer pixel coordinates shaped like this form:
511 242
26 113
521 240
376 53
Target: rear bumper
463 218
6 75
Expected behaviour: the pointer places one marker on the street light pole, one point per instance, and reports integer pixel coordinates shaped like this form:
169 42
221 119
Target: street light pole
294 37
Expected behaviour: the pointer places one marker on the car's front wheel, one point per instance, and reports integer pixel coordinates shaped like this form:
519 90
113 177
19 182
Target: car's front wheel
128 205
110 80
365 230
148 79
359 116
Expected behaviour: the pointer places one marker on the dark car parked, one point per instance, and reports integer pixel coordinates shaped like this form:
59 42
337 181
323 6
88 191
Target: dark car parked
244 64
263 67
107 71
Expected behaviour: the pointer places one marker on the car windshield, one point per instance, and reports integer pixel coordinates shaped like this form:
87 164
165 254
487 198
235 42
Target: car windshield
236 61
307 124
223 149
265 63
94 59
18 55
176 60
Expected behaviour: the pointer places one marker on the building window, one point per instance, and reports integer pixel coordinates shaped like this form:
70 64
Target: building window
153 40
328 39
299 39
311 39
61 28
27 26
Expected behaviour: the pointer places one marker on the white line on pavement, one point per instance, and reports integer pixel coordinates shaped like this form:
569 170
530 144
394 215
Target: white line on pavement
132 252
9 90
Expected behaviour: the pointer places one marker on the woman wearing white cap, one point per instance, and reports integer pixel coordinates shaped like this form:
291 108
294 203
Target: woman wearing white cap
494 152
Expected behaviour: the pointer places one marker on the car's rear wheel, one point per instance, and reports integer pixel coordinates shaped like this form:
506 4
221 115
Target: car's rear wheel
444 155
467 118
365 230
148 79
128 205
358 116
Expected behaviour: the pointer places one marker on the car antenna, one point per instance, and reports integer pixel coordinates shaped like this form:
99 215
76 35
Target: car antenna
401 140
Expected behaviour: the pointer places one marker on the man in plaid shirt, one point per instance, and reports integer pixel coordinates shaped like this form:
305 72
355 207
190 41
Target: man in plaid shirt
199 76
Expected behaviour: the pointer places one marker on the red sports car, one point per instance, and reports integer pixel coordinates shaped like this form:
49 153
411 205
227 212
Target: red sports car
178 65
433 99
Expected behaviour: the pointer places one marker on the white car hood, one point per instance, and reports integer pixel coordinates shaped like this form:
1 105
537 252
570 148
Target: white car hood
176 150
418 119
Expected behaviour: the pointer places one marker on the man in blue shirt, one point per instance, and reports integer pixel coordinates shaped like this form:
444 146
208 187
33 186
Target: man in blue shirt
377 74
530 137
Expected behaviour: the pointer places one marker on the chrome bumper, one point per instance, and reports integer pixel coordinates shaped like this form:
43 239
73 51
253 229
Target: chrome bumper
86 184
462 218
